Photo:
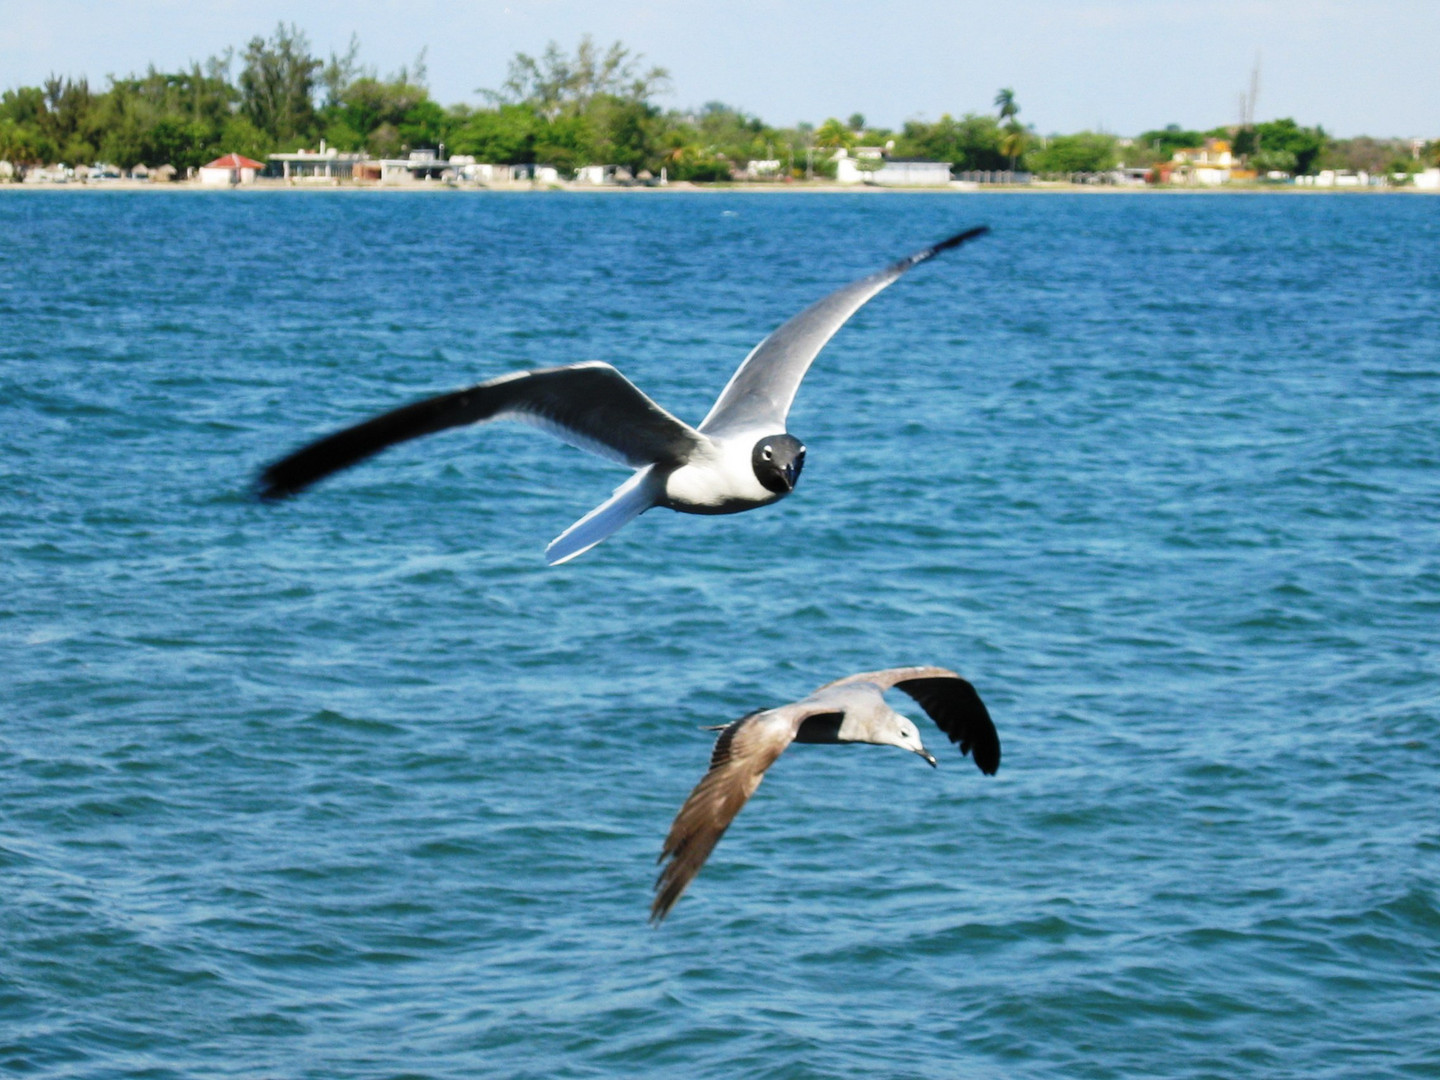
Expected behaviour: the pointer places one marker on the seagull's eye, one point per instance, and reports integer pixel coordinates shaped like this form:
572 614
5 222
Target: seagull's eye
766 454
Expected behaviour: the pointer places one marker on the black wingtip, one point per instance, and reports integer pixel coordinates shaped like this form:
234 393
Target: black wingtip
985 745
935 249
270 487
960 238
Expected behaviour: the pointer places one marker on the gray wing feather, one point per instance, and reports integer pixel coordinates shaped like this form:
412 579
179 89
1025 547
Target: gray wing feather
589 405
888 677
763 388
951 701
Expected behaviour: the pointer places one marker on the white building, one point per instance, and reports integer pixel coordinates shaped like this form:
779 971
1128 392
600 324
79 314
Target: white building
59 173
1335 178
539 174
869 165
420 165
848 164
230 170
479 172
1429 180
912 172
595 174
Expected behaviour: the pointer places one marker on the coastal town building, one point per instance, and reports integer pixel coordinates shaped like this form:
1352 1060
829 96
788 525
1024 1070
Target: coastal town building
595 175
1208 165
421 165
326 165
59 173
912 172
858 165
974 178
479 172
1338 178
230 170
871 165
537 174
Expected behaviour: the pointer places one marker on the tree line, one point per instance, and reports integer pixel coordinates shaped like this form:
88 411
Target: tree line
595 106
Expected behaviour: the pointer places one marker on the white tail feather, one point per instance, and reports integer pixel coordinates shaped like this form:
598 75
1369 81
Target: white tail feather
630 500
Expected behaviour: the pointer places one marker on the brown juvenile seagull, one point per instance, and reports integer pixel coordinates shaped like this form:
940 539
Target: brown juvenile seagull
849 710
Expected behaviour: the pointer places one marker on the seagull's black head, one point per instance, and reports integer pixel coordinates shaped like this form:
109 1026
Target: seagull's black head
777 460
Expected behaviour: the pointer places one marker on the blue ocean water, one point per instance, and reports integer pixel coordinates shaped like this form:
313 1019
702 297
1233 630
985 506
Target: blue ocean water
355 786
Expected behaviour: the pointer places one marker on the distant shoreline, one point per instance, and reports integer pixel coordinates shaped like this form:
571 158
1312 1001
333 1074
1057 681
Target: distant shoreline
799 188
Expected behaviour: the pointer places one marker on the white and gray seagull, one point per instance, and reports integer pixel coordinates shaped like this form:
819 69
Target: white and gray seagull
740 456
849 710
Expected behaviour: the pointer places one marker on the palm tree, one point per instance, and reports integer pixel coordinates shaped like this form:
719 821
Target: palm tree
834 135
1012 143
1005 102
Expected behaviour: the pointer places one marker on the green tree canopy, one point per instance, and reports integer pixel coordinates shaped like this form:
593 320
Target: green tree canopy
278 84
971 143
506 134
833 135
180 118
1266 161
1306 144
1160 144
1084 152
591 108
557 83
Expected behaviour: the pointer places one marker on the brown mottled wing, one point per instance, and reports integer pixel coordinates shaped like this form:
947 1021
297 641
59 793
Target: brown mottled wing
589 405
744 750
951 702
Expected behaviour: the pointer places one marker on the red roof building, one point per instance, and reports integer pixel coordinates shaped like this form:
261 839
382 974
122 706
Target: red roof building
234 161
229 170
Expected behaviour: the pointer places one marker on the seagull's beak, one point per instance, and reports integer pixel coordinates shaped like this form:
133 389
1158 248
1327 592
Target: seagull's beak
791 475
926 755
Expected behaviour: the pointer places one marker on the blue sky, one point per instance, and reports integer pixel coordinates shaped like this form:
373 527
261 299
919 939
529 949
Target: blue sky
1120 65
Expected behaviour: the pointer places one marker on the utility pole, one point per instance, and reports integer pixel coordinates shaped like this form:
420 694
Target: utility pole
1254 93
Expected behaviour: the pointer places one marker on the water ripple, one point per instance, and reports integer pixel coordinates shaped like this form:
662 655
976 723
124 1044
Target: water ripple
356 787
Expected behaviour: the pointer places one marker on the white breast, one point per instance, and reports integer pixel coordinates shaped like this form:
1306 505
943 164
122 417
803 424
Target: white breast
719 480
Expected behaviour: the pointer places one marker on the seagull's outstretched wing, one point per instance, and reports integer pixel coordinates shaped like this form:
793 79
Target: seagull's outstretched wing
589 405
762 389
744 750
950 701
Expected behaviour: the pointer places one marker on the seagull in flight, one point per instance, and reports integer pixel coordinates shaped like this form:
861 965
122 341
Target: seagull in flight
849 710
741 456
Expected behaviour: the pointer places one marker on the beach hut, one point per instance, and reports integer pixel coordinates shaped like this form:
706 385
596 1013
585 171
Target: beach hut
597 175
230 169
